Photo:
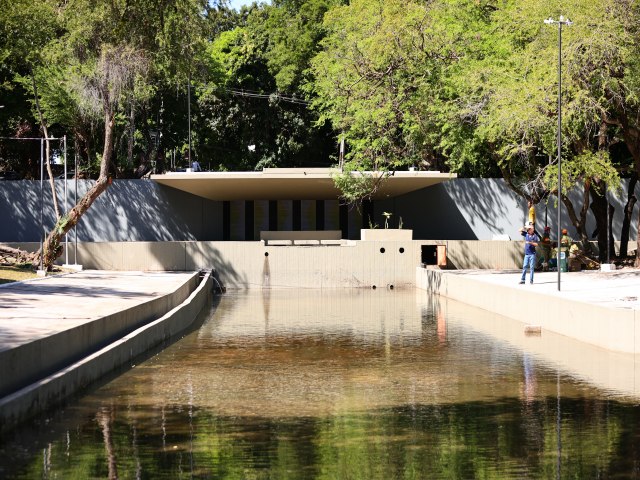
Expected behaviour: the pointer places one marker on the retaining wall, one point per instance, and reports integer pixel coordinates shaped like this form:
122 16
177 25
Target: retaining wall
616 329
255 265
54 388
31 361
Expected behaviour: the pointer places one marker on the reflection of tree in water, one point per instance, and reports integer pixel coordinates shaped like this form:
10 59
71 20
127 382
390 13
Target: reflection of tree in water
507 438
104 417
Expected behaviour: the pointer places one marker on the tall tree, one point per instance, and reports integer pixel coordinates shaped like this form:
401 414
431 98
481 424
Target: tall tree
377 79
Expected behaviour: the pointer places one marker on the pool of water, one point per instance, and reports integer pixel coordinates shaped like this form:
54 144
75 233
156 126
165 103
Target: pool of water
346 384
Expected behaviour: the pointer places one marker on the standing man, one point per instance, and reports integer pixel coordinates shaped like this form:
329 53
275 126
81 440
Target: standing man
531 240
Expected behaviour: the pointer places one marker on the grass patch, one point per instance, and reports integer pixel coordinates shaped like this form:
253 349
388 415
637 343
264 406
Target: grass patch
16 274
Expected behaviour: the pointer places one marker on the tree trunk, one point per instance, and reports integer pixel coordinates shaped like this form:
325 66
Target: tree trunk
628 215
131 133
599 209
631 136
580 222
637 262
52 246
45 131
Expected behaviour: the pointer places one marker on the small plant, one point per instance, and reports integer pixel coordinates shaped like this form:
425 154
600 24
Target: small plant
372 225
387 216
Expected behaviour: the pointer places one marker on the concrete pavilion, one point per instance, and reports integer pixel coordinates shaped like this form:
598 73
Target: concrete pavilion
290 199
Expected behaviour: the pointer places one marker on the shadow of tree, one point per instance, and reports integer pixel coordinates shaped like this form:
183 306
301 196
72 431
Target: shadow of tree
208 255
142 210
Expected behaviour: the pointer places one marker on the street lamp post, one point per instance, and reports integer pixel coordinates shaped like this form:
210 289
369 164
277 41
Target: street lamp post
562 21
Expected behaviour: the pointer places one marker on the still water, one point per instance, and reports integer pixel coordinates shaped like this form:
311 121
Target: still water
346 384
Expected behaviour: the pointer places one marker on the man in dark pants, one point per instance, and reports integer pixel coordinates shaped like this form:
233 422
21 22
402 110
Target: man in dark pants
531 241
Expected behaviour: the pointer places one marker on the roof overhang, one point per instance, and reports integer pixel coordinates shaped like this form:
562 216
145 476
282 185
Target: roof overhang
291 183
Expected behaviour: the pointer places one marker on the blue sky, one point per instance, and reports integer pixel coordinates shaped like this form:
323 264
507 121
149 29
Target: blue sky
238 3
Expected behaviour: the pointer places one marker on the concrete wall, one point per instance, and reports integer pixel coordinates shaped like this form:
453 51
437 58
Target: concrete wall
615 372
255 265
130 210
53 389
48 354
579 320
478 209
141 210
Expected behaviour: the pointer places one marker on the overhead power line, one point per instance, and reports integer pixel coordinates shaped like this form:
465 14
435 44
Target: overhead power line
252 94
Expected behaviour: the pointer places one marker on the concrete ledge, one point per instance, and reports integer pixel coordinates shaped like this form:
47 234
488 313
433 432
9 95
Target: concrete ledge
31 361
616 329
613 371
300 234
278 243
334 242
306 243
386 234
52 390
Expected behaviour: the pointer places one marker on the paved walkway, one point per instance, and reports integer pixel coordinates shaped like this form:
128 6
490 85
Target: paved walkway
38 308
616 289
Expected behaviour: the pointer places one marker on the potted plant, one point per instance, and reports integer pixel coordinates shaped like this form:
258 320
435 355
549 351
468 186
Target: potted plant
386 234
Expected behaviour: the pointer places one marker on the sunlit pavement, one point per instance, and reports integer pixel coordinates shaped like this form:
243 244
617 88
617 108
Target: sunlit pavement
616 289
37 308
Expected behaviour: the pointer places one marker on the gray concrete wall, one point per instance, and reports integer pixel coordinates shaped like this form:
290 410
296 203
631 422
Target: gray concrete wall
130 210
618 373
141 210
255 265
478 209
579 320
48 354
53 389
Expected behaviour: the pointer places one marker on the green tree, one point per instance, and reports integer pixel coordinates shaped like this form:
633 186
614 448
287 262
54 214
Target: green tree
253 96
377 79
509 94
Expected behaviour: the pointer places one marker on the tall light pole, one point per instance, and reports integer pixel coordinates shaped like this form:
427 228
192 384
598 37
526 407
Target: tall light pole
562 21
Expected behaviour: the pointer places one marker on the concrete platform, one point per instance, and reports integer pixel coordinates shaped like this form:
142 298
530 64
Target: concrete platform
600 308
39 308
58 334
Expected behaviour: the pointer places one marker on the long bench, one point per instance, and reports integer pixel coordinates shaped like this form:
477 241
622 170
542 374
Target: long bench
301 237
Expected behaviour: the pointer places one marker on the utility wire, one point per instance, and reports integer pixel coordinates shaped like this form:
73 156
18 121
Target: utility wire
252 94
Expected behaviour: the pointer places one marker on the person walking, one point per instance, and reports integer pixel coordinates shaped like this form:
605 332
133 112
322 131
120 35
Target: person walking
531 241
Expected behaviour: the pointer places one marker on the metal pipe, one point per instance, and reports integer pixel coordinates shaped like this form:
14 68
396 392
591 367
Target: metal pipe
559 147
41 204
66 208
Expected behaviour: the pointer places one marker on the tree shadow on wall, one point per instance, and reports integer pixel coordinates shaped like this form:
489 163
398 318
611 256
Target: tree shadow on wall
137 210
484 202
466 255
20 207
462 209
207 255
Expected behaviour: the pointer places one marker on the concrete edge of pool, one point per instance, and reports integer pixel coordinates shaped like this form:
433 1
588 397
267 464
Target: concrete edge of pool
55 387
595 308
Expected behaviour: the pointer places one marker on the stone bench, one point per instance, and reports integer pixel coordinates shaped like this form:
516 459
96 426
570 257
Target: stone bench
301 237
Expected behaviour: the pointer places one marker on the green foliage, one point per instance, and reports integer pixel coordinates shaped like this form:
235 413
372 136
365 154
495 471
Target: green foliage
580 168
356 184
463 85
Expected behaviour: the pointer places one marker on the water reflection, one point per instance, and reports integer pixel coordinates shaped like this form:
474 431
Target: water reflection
338 384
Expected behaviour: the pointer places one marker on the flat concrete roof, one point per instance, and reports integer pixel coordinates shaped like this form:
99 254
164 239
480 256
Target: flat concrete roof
290 183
